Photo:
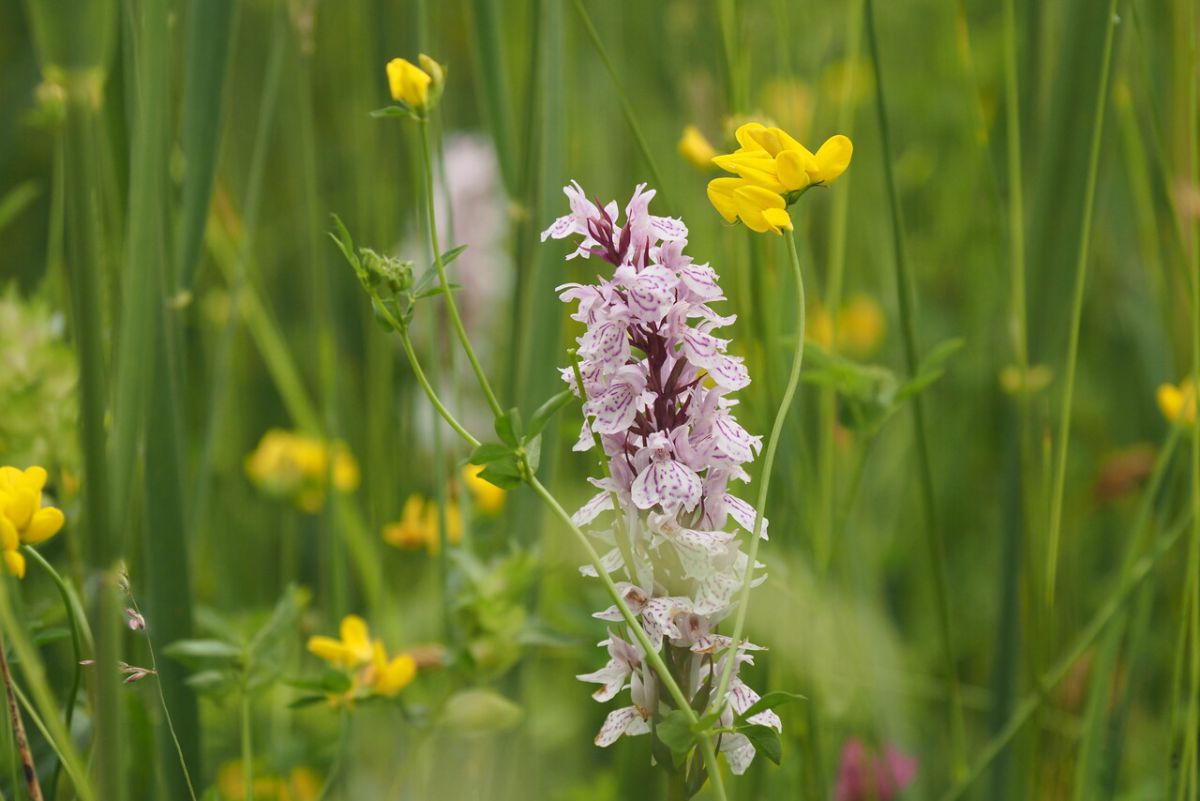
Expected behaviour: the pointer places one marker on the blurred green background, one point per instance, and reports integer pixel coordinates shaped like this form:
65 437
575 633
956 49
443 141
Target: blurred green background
167 174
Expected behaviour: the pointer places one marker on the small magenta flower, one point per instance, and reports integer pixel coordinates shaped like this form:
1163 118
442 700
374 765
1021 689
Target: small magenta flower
865 776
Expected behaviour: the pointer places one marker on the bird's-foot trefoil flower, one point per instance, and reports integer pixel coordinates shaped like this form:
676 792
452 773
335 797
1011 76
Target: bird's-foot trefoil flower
773 170
657 383
371 670
416 88
23 518
696 149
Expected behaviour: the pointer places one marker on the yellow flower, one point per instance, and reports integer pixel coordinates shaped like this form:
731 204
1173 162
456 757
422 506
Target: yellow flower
418 525
302 784
352 650
1178 403
772 163
1038 377
390 676
696 149
417 87
290 465
23 519
860 326
489 498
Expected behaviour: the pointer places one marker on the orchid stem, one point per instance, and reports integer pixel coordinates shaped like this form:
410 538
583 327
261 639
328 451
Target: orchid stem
764 482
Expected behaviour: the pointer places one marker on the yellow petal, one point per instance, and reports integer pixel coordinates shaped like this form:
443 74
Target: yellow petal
832 159
22 503
431 68
408 82
329 649
778 219
8 533
748 135
752 202
1170 402
720 194
356 637
794 168
15 561
45 523
395 675
34 478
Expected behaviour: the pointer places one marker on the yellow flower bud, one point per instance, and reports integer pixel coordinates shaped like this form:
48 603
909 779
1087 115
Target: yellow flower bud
696 149
408 83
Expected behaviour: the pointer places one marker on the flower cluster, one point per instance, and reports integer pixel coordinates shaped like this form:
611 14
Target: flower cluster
773 170
367 660
418 526
290 465
23 518
656 384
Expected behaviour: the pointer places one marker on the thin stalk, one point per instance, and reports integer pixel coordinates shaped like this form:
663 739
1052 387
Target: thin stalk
429 390
626 106
1049 679
162 699
247 746
1016 211
905 292
727 11
1192 779
1081 265
447 292
14 716
838 228
73 620
764 480
652 655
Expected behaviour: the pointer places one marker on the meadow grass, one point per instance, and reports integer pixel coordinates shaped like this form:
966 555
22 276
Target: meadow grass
985 513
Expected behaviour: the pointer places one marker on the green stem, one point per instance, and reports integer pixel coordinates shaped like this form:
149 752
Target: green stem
247 746
905 293
652 655
1081 264
162 699
764 480
1192 779
76 649
626 106
447 292
430 392
1048 680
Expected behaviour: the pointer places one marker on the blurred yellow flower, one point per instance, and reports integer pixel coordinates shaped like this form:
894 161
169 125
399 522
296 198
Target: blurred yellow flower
351 650
860 327
390 676
302 784
1178 403
417 87
356 651
418 526
773 169
694 147
23 518
1038 377
290 465
489 498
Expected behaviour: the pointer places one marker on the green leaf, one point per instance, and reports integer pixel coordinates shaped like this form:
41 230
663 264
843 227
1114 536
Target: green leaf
477 711
306 700
676 732
211 682
765 741
435 290
16 201
203 650
503 473
771 700
546 411
279 624
489 452
390 112
452 254
508 427
533 453
341 236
